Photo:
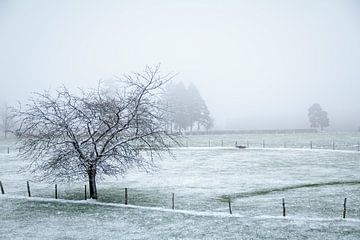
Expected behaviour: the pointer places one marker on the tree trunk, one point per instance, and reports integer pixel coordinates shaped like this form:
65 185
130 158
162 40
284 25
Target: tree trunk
92 184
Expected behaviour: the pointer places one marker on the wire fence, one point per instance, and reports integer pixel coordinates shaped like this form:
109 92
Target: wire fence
327 145
126 199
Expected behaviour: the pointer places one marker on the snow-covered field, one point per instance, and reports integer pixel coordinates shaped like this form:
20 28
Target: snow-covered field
314 183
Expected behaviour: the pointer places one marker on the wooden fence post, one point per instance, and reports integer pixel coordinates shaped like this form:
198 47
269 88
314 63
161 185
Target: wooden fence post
85 192
235 143
56 194
263 144
209 143
173 202
126 196
344 212
311 145
333 145
222 143
247 144
8 150
283 205
230 210
2 188
28 188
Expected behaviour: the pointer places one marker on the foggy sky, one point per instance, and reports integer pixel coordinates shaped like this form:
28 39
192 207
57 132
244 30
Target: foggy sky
258 64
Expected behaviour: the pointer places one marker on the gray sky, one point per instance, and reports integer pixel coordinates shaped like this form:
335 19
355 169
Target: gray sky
258 64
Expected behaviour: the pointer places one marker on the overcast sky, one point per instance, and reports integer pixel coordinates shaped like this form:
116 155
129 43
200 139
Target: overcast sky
258 64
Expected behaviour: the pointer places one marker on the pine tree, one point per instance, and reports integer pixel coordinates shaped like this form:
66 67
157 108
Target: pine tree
187 108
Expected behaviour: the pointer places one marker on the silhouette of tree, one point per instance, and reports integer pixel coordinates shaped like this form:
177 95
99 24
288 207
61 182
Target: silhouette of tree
188 108
6 118
318 117
96 132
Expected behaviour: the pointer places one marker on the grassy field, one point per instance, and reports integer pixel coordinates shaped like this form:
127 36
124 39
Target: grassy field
314 183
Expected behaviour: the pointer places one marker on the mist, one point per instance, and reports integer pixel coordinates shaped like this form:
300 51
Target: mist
258 64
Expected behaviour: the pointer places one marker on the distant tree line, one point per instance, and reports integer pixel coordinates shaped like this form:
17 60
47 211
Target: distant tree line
188 110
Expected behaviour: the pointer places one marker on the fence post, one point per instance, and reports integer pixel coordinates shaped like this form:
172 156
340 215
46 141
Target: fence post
2 188
209 143
8 150
344 212
85 192
222 143
230 206
173 201
283 205
284 145
311 145
28 188
358 147
333 145
126 196
263 144
56 195
247 143
235 143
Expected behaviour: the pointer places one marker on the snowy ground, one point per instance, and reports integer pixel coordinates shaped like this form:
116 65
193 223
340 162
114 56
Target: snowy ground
313 182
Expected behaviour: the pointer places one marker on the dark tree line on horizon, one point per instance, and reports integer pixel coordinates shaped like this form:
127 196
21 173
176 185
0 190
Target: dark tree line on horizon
187 109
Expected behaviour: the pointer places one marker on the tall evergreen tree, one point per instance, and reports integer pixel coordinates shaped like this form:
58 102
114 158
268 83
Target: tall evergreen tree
187 108
181 116
176 99
205 120
195 104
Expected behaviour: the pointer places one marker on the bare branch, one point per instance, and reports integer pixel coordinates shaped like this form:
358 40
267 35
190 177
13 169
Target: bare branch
98 131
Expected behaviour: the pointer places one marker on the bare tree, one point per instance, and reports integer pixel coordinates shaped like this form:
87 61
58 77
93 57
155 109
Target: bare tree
96 132
6 123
